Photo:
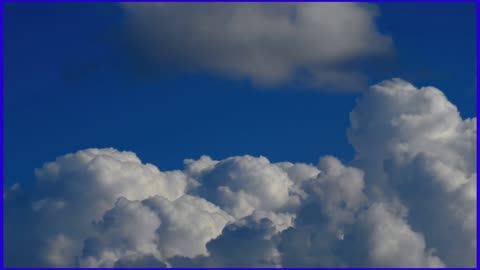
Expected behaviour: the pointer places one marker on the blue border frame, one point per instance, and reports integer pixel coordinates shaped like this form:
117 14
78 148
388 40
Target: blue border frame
478 75
1 136
2 99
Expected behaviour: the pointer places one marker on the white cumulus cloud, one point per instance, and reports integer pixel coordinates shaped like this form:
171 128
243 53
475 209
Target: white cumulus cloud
414 144
155 227
408 199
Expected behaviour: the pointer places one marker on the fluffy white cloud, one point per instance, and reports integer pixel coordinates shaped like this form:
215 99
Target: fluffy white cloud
407 200
189 223
341 227
128 229
76 189
156 228
299 172
339 191
266 42
241 185
113 173
331 202
413 144
392 242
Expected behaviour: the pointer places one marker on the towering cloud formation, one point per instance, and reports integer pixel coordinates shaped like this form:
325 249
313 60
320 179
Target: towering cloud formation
407 200
266 42
414 144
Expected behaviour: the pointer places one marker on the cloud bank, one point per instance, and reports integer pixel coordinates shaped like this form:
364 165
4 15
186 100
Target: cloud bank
407 200
268 43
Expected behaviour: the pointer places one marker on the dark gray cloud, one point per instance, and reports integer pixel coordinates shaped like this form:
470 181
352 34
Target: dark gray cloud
270 43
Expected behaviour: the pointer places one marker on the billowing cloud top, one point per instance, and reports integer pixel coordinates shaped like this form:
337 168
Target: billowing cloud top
268 43
407 200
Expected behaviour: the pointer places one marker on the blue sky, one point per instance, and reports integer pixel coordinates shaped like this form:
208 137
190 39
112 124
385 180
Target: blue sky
70 85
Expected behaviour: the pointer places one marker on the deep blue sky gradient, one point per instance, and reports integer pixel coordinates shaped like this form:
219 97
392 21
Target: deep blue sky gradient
70 84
